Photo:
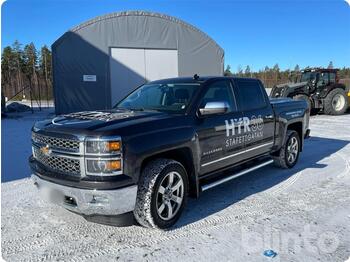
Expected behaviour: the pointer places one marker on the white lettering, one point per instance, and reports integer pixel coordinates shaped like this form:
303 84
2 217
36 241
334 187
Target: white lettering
230 127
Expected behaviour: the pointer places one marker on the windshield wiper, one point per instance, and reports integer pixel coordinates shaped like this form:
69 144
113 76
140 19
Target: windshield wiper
130 108
135 108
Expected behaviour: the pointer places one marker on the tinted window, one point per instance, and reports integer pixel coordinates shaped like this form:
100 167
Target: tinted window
220 91
332 78
308 76
324 79
172 97
250 94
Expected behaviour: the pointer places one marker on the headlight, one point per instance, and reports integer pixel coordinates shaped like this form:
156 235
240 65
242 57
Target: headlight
103 156
103 166
103 146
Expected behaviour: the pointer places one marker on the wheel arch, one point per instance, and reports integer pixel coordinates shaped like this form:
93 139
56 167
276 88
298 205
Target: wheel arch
330 88
184 156
298 127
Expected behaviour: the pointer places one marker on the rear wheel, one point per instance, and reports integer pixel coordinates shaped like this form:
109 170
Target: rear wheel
162 194
335 102
288 155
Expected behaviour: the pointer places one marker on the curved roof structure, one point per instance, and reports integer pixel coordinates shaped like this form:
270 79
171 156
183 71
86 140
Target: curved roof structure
91 67
138 13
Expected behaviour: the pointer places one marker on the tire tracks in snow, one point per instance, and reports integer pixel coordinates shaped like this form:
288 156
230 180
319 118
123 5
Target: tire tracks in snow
261 207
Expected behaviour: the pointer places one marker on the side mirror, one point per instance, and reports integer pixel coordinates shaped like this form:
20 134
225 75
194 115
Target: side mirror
214 108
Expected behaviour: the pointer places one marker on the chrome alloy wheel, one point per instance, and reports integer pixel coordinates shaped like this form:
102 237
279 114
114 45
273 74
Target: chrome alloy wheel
292 150
338 102
170 195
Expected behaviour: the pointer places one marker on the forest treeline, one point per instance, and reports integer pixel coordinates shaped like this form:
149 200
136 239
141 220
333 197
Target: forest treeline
274 75
27 72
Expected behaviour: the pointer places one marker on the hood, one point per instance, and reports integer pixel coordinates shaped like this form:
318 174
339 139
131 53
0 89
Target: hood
95 121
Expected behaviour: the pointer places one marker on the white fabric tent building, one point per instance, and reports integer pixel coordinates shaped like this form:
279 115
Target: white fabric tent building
99 62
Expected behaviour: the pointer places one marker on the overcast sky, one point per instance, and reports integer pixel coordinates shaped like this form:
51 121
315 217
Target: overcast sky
255 33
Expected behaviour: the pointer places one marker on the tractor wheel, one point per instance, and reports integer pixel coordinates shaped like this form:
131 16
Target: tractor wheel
335 102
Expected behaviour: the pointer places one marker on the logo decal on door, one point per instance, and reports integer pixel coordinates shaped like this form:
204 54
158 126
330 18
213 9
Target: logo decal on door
240 130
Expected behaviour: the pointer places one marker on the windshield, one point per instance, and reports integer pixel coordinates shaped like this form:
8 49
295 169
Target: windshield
308 76
171 97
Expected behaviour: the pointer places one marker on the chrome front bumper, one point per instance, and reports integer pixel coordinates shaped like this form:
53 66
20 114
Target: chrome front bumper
88 202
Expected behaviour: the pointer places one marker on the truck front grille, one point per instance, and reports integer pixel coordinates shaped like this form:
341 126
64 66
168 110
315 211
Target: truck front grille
58 163
64 144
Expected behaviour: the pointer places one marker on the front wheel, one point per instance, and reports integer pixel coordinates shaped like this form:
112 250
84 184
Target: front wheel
336 102
162 194
288 155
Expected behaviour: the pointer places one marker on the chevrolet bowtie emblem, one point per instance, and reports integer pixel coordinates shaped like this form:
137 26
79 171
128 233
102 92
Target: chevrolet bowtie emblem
45 150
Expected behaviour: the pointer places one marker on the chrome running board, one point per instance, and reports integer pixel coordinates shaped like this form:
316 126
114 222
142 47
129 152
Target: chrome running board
226 179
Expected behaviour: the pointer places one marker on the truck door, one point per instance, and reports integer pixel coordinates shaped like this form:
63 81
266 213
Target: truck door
258 116
217 132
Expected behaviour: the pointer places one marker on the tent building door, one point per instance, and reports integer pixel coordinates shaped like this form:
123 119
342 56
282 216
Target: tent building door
132 67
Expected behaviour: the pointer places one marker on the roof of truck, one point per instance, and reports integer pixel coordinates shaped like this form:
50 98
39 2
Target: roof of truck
199 79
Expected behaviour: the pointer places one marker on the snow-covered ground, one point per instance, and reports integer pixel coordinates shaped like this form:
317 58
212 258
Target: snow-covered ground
16 144
303 214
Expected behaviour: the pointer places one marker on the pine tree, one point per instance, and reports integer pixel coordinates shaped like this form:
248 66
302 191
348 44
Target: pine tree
239 70
30 69
45 68
19 63
228 71
8 67
247 72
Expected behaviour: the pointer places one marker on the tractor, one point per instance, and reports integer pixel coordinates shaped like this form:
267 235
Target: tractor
320 88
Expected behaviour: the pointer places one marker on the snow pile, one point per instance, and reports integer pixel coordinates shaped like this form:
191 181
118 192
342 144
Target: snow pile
17 107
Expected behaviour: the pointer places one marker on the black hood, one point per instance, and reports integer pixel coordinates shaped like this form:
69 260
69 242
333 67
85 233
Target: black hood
98 121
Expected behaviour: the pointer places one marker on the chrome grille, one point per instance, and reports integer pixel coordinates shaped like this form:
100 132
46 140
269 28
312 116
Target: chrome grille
56 142
58 163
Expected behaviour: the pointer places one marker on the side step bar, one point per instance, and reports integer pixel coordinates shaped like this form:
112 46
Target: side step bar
225 179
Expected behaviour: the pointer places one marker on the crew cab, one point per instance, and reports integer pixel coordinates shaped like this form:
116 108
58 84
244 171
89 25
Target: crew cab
167 140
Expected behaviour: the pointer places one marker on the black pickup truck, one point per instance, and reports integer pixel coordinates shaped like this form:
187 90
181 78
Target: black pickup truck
167 140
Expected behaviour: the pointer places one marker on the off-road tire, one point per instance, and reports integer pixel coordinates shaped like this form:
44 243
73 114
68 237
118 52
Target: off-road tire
145 211
306 98
328 106
281 157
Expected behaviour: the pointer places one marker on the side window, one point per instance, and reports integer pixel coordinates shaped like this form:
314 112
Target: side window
332 78
250 94
324 79
220 91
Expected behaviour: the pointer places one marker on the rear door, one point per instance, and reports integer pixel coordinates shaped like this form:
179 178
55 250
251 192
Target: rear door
258 116
217 133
